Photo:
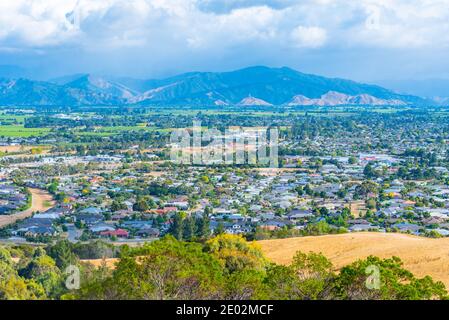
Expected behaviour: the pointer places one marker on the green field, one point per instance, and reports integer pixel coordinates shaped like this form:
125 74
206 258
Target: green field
8 119
19 131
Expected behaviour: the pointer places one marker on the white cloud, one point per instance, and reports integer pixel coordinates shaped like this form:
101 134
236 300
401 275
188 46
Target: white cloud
309 37
309 23
154 30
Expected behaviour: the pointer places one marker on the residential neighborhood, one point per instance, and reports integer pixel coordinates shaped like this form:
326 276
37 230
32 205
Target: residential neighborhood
335 186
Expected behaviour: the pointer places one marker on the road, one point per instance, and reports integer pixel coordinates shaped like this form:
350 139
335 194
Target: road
39 202
73 233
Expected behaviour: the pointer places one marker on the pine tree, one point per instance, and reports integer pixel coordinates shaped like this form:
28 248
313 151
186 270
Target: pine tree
220 229
189 229
203 227
176 227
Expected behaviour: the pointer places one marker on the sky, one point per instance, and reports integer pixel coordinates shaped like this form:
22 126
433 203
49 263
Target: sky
365 40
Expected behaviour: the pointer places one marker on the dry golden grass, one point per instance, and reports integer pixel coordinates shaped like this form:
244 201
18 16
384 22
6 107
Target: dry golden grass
23 149
12 148
422 256
357 208
155 174
108 262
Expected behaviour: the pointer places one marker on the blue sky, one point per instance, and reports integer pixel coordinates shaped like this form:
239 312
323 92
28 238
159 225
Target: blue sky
365 40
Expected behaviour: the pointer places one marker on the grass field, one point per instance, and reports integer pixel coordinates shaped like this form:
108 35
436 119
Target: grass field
9 118
15 131
422 256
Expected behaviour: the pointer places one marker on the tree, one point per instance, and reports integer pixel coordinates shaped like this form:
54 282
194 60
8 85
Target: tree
117 206
352 160
53 187
44 271
189 229
395 283
219 229
62 253
141 205
308 190
176 226
308 277
314 272
203 227
371 204
369 171
316 229
14 287
94 250
299 190
165 269
365 189
227 267
236 253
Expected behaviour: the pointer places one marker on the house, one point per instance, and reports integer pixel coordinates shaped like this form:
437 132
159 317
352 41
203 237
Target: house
182 205
129 206
362 227
267 216
388 212
165 210
101 227
89 219
237 228
236 217
408 227
148 233
91 211
120 215
40 231
4 209
51 216
119 233
272 225
297 214
136 224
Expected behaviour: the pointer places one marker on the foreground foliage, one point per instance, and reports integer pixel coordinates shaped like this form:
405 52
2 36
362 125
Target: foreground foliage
225 267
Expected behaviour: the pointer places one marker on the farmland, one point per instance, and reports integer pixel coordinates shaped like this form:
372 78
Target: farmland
19 131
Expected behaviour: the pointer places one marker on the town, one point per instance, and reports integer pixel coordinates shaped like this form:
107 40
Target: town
110 177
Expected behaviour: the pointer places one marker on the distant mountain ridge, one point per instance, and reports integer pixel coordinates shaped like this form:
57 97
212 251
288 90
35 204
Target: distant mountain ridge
251 86
333 98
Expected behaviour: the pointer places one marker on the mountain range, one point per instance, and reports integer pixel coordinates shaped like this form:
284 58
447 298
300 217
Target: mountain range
253 86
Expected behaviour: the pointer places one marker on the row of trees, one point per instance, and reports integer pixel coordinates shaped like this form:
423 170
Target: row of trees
190 228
